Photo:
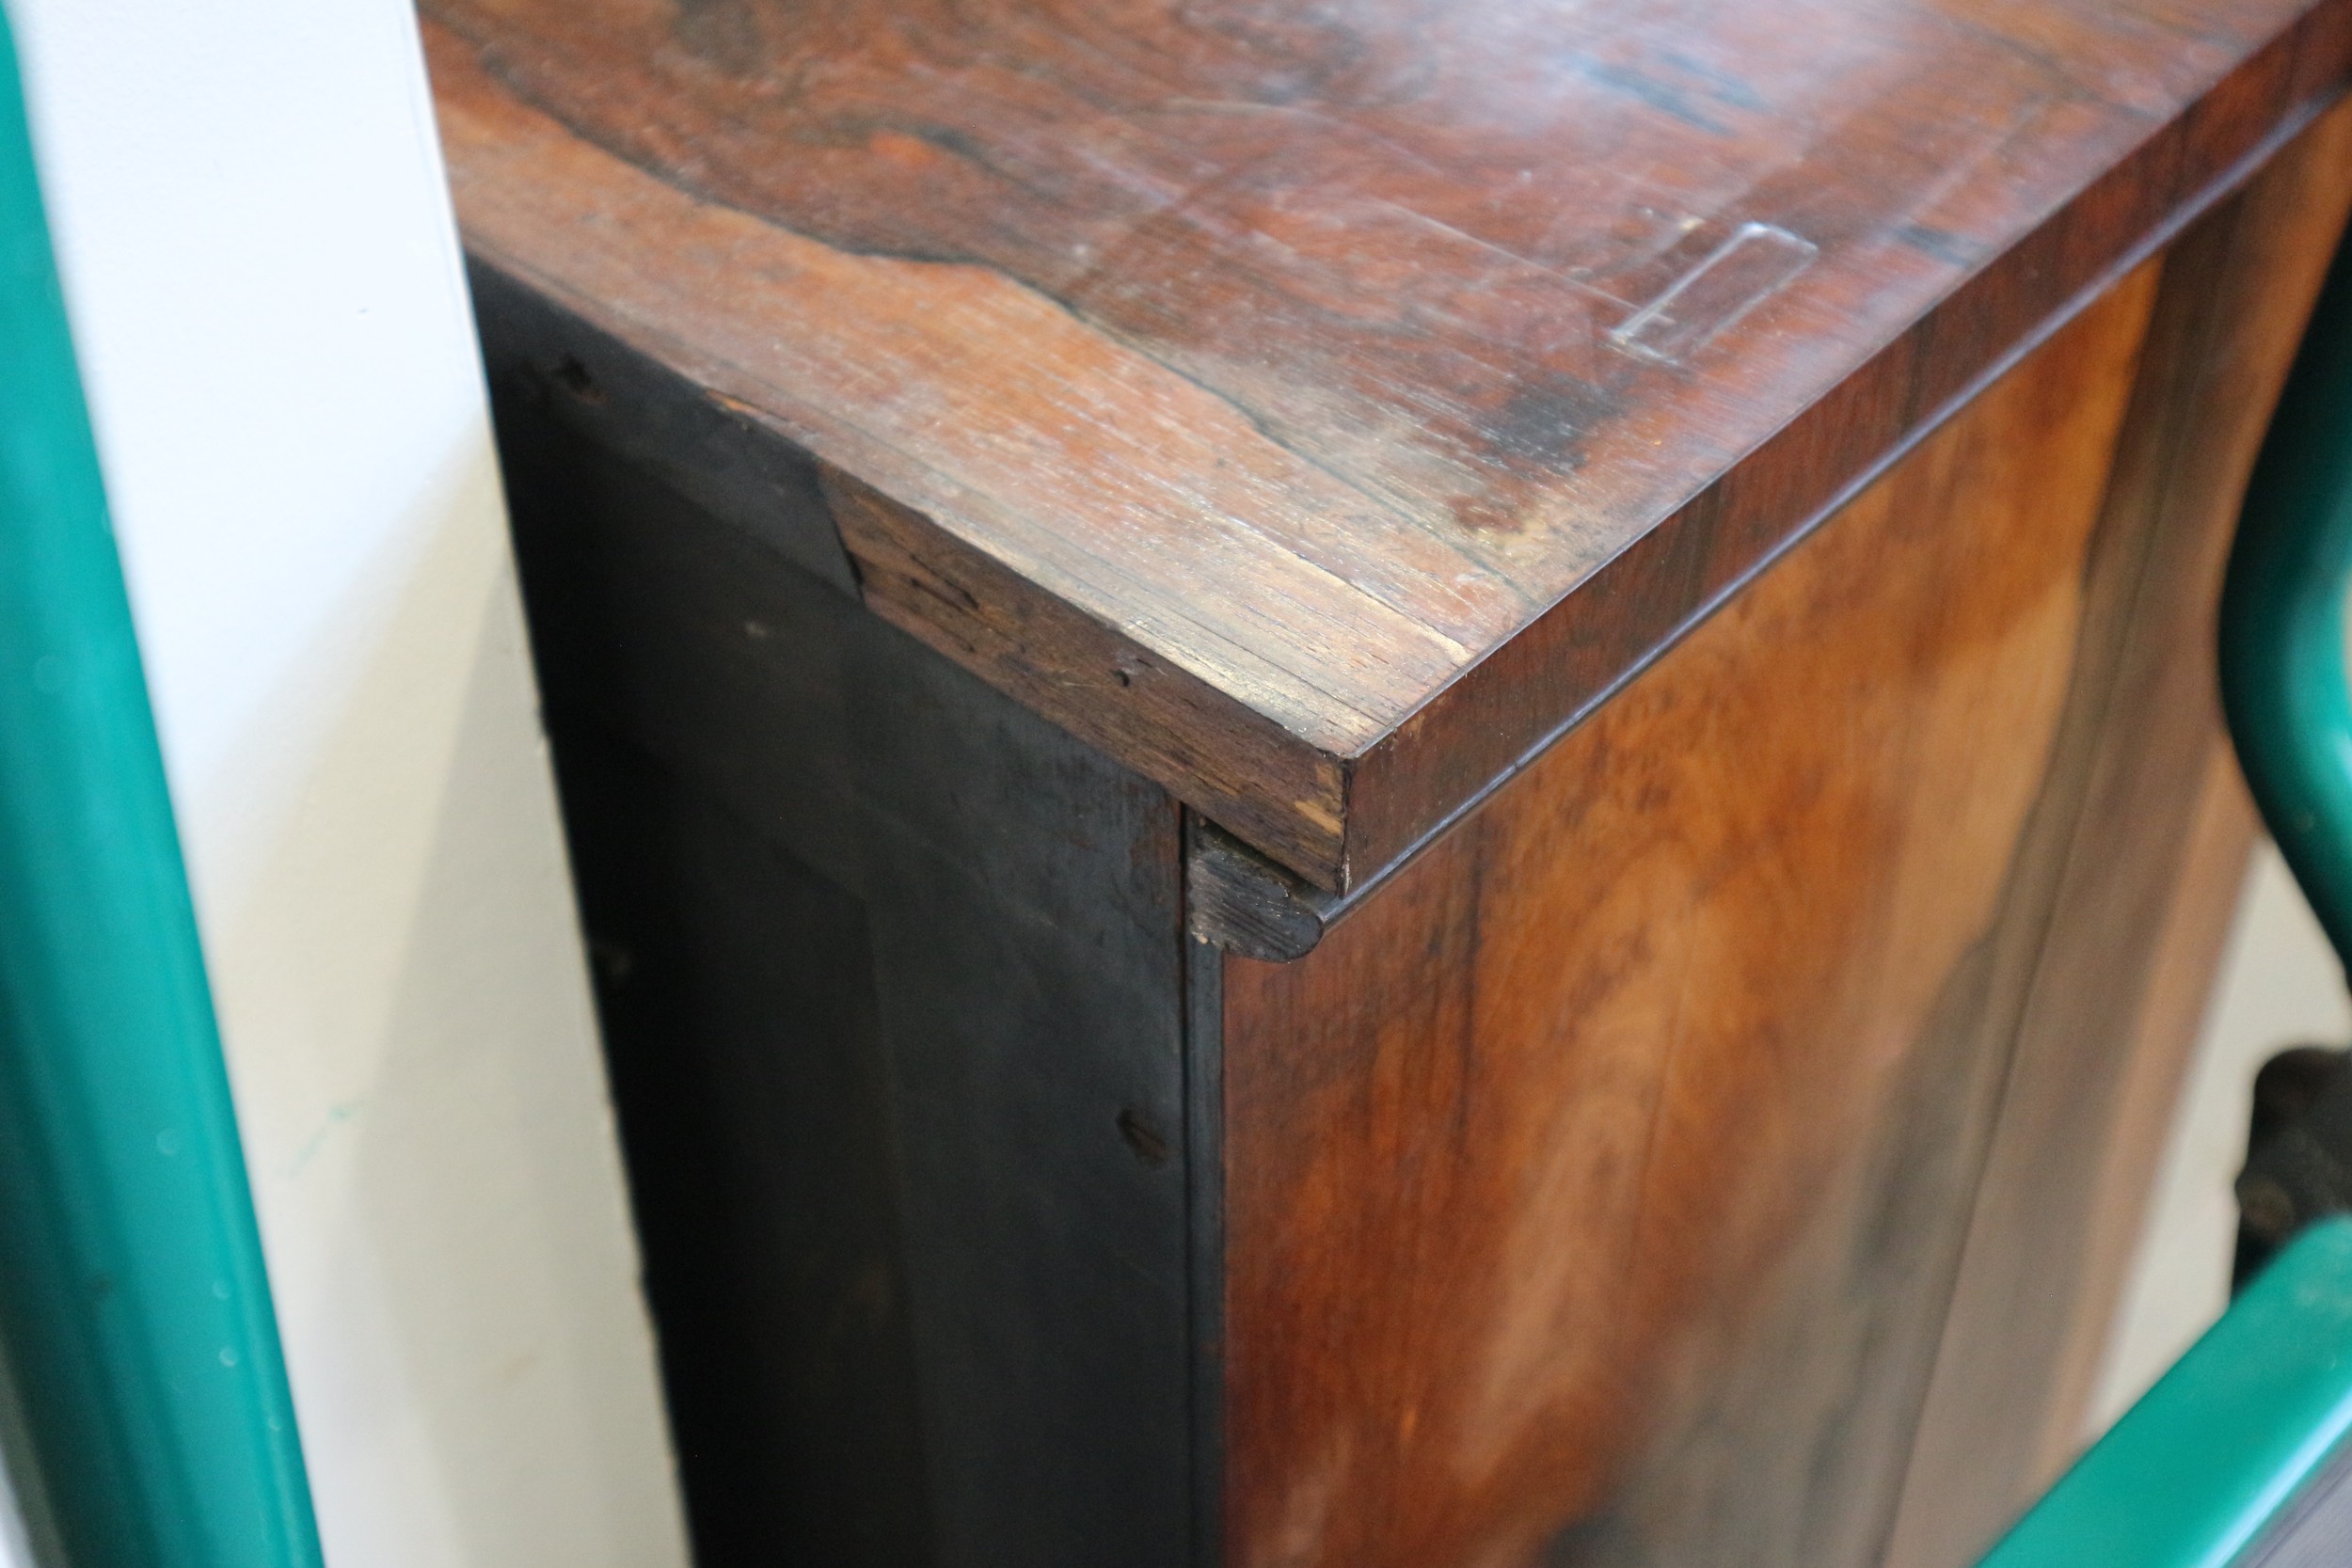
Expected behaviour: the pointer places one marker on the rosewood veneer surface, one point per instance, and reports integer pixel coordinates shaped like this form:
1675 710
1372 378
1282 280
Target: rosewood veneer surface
1318 407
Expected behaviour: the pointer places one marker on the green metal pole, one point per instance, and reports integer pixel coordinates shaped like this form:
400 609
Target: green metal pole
2191 1474
2282 617
151 1423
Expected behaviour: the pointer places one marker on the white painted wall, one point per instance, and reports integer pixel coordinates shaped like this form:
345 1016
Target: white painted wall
258 251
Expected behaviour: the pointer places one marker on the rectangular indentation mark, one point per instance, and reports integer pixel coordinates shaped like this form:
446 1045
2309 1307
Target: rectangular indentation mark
1755 263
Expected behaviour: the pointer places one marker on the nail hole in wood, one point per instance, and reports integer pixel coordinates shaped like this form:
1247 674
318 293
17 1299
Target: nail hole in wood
1148 1142
573 377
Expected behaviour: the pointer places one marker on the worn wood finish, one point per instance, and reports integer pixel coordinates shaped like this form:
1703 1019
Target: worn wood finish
1594 1191
2052 1223
1319 409
890 972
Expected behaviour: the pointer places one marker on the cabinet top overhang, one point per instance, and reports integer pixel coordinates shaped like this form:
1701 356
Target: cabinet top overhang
1320 406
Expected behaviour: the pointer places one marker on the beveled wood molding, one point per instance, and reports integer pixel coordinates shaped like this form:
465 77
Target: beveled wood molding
1237 899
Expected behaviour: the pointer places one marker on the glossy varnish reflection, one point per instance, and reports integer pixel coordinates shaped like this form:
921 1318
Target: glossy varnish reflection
1318 406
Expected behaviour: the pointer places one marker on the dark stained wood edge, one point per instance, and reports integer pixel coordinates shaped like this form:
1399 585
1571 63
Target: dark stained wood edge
1166 722
730 460
1502 713
1238 900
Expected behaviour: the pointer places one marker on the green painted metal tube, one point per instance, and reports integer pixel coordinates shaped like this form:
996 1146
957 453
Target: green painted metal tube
151 1423
2191 1474
2282 617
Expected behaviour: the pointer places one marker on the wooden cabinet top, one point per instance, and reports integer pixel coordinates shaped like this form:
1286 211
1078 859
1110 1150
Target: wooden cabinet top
1322 406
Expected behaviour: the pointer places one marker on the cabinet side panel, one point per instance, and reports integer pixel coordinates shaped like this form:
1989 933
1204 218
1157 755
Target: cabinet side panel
1594 1191
2067 1181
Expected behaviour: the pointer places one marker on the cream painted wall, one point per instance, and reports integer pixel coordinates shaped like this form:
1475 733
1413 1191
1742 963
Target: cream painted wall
259 256
2279 986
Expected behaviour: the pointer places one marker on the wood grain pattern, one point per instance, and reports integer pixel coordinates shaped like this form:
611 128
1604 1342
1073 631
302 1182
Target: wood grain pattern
1372 386
2117 1195
1593 1191
2052 1225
